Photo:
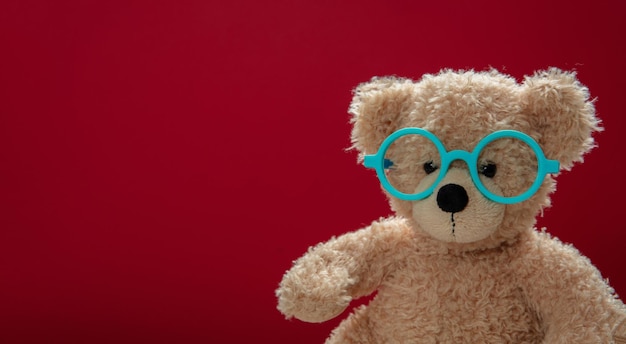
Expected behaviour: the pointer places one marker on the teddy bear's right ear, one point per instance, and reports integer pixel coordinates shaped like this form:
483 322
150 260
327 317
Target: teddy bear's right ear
377 108
559 108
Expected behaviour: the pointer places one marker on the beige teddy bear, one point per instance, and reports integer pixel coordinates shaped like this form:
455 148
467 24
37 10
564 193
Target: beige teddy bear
466 159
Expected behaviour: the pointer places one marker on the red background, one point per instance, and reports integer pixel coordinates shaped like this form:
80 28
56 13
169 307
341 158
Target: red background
163 162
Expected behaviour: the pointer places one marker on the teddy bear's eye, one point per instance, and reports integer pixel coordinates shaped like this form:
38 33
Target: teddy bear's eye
488 169
430 167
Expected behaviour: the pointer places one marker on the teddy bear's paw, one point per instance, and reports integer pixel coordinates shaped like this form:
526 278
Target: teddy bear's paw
314 297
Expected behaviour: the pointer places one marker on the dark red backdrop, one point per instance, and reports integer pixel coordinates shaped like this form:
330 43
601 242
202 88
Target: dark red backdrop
163 162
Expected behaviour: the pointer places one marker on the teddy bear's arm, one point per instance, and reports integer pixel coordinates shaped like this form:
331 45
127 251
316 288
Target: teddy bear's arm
568 293
321 284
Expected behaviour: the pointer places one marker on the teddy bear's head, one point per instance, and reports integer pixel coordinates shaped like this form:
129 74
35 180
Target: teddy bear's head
467 156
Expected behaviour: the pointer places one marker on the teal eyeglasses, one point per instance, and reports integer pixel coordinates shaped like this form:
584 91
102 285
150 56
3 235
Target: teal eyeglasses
477 161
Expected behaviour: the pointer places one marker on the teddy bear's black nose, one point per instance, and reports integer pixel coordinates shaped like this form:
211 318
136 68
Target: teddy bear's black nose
452 198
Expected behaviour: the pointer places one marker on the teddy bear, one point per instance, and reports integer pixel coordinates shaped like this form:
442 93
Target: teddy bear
467 160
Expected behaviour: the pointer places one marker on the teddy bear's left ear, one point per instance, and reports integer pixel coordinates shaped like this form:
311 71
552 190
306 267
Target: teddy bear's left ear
378 108
559 109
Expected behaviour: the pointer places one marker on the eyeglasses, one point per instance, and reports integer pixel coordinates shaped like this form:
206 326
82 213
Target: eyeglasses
391 169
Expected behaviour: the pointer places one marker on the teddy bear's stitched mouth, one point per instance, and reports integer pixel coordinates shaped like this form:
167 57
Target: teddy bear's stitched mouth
453 225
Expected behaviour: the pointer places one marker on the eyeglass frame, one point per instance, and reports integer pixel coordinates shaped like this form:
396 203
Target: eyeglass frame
378 162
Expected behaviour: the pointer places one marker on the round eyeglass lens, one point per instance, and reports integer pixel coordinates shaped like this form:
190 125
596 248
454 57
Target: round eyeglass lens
412 162
508 164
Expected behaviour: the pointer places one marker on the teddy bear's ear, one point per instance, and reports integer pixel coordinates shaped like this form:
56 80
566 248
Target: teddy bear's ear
559 108
377 108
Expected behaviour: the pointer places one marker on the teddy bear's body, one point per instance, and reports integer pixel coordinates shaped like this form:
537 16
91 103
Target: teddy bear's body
427 294
453 265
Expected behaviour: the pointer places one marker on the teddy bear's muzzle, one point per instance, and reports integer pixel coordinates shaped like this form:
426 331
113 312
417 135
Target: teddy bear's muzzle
457 211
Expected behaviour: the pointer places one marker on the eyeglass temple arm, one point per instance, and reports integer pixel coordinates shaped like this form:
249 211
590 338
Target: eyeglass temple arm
552 166
372 161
